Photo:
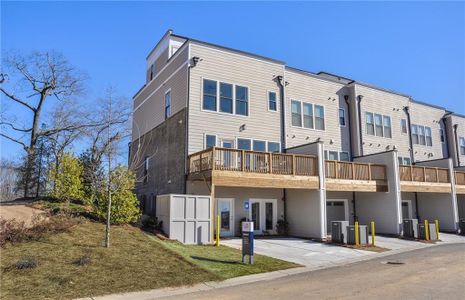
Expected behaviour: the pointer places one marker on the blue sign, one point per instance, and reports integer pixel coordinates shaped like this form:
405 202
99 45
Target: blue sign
246 205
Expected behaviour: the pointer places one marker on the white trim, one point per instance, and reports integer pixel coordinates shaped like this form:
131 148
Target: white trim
338 117
442 135
232 226
262 208
406 126
228 140
268 101
205 139
243 138
313 115
161 85
346 208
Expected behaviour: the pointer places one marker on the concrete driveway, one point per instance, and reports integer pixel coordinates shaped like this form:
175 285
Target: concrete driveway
320 255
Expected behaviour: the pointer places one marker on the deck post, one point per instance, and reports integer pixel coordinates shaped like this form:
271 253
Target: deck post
213 158
353 171
293 164
242 160
270 162
411 173
437 175
424 174
369 171
336 169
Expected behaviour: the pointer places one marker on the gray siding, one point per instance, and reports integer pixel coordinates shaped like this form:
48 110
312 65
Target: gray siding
452 120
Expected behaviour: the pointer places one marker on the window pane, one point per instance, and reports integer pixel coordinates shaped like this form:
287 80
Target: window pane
414 134
403 126
242 105
462 145
272 101
342 117
210 141
326 154
429 140
441 135
401 160
332 155
370 124
209 95
379 125
226 101
344 156
268 216
259 146
319 117
421 130
308 115
243 144
406 161
167 105
387 126
296 113
273 147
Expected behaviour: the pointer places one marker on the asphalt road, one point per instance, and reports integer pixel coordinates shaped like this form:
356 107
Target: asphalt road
429 273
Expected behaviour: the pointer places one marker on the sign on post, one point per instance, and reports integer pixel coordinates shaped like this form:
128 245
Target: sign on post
247 241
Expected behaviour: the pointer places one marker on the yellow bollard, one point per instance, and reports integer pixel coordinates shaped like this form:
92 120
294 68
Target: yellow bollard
373 233
357 242
426 230
437 229
217 230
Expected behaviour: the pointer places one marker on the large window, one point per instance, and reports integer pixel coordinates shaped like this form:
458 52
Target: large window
414 130
210 141
296 113
273 147
429 139
342 117
378 125
209 95
387 126
403 126
462 145
370 124
421 131
308 115
167 104
242 100
332 155
272 103
244 144
319 117
259 145
226 97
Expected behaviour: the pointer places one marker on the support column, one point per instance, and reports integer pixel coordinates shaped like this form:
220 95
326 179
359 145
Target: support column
212 219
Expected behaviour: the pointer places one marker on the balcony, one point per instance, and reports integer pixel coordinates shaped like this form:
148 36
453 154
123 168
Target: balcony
243 168
459 182
424 179
354 176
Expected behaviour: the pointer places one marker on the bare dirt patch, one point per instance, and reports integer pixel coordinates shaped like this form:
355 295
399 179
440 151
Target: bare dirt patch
20 212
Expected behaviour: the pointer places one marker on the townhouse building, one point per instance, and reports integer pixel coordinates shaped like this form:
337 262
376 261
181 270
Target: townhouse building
297 146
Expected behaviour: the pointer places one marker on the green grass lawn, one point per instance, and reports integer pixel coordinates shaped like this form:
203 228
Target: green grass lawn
135 261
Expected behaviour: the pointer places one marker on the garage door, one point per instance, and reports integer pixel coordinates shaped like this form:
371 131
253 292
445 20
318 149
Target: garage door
335 211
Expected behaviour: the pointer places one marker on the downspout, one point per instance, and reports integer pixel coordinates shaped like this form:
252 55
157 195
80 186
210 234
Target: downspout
457 144
346 98
282 84
359 109
446 138
412 154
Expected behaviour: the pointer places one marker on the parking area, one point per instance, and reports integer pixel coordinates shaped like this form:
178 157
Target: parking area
318 255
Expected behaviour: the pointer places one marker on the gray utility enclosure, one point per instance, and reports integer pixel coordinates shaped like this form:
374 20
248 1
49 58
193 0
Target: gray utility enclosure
186 218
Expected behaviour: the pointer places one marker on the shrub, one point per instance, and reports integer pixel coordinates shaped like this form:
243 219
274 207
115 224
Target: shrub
83 260
66 178
12 231
151 223
282 227
26 263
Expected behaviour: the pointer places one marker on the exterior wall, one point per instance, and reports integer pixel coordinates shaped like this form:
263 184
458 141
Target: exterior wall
461 206
257 75
383 208
308 88
428 116
304 213
451 120
343 196
149 103
165 147
385 103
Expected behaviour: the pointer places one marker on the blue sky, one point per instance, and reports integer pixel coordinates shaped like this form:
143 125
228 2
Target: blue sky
417 48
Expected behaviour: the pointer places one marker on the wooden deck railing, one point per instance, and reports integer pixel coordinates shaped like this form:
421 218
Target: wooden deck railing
252 161
424 174
354 170
459 178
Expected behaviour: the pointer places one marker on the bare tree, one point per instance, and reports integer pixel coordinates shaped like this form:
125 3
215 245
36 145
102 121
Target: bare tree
8 179
40 77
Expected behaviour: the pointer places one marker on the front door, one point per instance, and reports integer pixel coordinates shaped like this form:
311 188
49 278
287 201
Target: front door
263 213
225 210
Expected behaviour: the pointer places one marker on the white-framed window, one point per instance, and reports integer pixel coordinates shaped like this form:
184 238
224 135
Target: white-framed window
209 94
242 100
441 135
274 147
226 98
244 144
429 139
403 126
421 133
370 123
387 127
296 112
344 156
332 155
308 115
259 145
151 71
167 104
272 101
404 160
210 141
415 139
342 117
379 125
462 145
319 117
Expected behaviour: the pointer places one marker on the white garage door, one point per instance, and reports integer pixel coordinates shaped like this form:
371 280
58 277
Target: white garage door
336 210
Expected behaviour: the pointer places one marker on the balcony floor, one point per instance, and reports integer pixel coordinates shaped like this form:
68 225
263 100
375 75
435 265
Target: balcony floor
425 187
340 185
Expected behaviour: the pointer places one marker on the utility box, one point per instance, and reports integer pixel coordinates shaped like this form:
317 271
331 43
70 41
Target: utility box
462 226
362 235
432 232
410 228
339 231
421 231
186 218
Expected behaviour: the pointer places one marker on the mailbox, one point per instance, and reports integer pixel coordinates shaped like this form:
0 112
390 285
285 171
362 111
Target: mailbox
247 241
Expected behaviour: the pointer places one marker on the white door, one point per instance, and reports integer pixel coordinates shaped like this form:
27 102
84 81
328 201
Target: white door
336 210
406 209
225 209
263 212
